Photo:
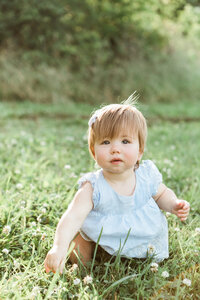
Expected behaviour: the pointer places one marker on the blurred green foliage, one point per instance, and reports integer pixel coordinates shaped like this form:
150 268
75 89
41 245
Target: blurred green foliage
91 30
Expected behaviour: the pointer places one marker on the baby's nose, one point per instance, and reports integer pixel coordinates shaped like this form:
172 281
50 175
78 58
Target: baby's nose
115 148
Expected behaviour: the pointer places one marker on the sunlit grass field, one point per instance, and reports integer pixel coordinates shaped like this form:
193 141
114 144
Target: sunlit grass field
43 151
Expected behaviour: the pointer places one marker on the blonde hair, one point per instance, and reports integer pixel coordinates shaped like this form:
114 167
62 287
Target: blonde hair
112 119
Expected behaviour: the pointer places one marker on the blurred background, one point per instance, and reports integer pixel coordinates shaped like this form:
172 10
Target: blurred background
99 51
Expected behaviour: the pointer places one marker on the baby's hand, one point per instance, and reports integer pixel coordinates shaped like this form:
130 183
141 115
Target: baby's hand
55 260
181 209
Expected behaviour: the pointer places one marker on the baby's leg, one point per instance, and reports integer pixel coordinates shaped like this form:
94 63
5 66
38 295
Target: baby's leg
84 249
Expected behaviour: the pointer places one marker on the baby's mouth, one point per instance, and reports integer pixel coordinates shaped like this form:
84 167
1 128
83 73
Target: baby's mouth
116 160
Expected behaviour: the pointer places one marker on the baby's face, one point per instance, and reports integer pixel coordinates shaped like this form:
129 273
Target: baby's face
117 154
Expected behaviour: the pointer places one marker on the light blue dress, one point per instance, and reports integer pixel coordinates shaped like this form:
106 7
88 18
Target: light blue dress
133 225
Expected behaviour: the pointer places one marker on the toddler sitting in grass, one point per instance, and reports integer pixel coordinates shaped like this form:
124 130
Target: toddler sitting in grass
121 202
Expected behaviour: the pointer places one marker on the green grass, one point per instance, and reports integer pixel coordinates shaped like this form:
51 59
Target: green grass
43 151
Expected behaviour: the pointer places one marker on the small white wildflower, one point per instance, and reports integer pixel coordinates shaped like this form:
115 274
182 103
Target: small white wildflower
19 186
39 219
45 205
197 230
187 282
43 143
6 229
176 229
165 274
35 291
16 264
17 171
168 214
70 138
151 250
32 186
5 251
154 267
74 267
172 147
33 223
43 210
76 281
67 167
14 142
73 175
45 184
88 279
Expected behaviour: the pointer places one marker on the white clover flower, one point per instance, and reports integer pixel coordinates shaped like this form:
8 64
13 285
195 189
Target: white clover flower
151 249
88 279
187 282
74 267
19 186
172 147
154 267
168 214
5 251
16 264
197 230
67 167
7 229
17 171
165 274
39 219
176 229
70 138
76 281
35 291
43 210
33 223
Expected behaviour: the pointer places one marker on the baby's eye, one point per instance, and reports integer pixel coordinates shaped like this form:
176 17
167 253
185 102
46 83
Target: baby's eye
125 141
106 142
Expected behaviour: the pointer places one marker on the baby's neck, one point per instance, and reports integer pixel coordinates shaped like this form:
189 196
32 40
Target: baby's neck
123 184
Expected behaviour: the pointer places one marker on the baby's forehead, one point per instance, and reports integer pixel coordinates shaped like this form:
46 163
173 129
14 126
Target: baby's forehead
122 134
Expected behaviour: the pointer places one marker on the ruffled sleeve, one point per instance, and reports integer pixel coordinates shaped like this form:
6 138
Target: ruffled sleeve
154 177
92 178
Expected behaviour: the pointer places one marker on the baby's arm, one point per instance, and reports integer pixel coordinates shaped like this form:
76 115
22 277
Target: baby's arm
167 200
67 228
